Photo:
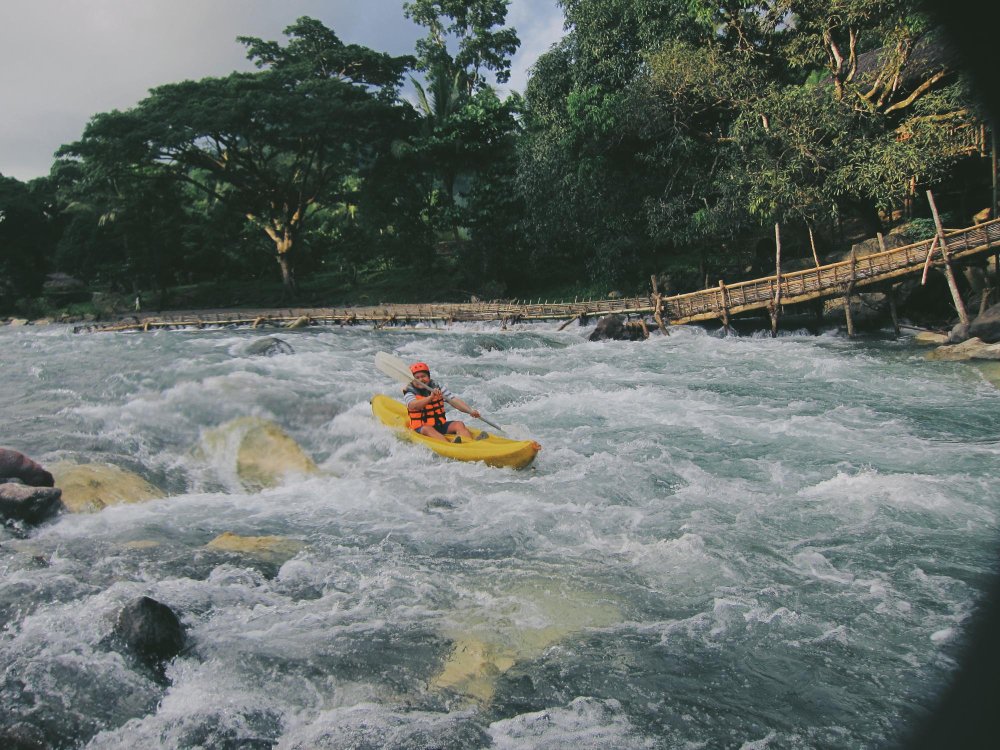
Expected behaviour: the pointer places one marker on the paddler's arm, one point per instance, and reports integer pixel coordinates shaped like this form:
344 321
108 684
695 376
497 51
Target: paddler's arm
462 406
419 402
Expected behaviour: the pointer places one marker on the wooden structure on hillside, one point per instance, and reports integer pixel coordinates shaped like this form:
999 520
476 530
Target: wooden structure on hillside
722 302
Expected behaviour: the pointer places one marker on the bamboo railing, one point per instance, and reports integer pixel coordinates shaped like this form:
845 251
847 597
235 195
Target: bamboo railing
831 280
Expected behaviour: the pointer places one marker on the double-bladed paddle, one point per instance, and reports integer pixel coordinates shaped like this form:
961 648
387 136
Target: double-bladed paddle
398 370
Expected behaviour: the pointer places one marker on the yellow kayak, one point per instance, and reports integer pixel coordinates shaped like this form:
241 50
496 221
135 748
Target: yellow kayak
493 450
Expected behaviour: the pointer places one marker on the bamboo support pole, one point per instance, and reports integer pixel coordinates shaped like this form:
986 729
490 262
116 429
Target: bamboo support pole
776 304
847 297
724 305
577 317
658 306
963 316
812 244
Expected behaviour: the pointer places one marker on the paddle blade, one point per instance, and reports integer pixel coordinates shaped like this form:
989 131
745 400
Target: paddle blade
394 367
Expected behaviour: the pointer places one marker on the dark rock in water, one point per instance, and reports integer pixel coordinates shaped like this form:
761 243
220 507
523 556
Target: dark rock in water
17 465
20 502
150 632
927 304
268 347
22 737
614 327
986 327
440 503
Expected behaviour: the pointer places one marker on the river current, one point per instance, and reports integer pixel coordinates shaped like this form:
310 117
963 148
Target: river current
725 542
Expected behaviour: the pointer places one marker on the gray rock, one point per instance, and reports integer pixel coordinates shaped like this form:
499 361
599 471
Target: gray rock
150 632
19 502
268 347
987 326
959 333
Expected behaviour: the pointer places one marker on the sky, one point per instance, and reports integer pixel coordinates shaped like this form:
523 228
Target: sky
63 61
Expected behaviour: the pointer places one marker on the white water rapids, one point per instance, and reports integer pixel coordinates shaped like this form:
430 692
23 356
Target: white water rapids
724 543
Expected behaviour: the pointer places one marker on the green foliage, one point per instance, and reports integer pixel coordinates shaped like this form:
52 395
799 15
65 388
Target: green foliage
273 145
27 237
476 27
658 136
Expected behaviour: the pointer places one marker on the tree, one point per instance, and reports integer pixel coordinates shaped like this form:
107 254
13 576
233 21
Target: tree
26 238
275 144
476 27
465 126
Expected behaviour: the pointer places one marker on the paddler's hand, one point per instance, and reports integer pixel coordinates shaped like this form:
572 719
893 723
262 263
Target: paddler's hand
436 393
475 413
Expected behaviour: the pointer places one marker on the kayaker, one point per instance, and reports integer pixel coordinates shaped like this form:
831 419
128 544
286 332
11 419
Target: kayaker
427 411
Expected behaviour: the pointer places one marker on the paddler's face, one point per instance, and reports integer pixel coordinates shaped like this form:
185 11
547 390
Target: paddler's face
423 376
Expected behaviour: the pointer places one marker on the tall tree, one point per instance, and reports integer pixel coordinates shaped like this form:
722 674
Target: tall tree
475 27
276 143
26 238
465 125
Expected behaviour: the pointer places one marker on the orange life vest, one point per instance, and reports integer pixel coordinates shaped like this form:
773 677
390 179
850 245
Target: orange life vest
432 413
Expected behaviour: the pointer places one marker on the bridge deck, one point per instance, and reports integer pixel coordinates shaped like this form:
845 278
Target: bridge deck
799 286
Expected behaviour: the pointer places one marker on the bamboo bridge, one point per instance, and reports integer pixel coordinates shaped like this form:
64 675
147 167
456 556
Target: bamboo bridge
719 303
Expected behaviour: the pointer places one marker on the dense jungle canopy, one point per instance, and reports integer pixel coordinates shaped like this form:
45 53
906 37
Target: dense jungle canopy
657 137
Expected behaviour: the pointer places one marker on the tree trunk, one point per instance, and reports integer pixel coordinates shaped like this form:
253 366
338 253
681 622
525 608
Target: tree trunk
284 239
287 275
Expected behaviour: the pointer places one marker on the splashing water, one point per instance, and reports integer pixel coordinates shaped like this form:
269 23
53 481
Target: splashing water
725 542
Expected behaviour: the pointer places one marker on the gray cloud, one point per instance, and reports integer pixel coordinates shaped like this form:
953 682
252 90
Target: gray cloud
62 61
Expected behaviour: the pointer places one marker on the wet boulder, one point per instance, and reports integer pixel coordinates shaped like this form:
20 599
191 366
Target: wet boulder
32 505
275 549
268 347
150 632
616 328
89 488
254 454
971 349
16 465
986 327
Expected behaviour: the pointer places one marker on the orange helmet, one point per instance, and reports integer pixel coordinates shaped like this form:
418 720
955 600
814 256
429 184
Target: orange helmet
419 367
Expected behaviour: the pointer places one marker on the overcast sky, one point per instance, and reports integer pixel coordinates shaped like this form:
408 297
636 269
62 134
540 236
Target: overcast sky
62 61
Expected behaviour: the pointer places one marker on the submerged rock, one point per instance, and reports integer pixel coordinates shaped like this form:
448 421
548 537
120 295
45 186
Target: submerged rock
20 502
990 372
88 488
482 653
150 632
268 347
22 736
275 549
263 454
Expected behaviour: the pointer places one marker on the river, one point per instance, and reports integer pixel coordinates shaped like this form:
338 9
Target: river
725 542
